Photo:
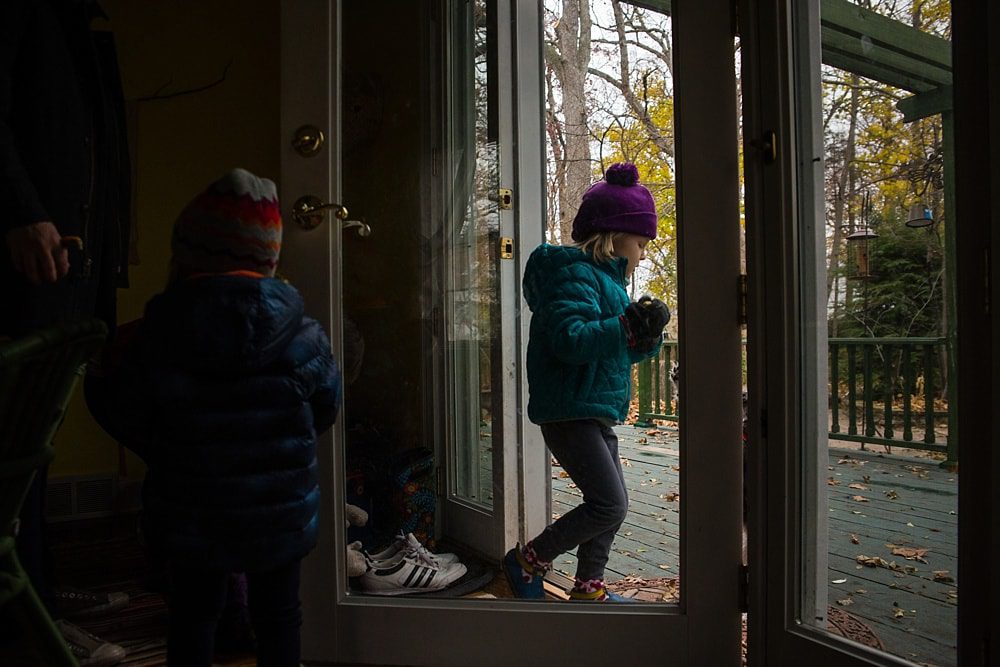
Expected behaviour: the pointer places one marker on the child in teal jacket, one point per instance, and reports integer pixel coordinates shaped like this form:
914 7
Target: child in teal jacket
584 337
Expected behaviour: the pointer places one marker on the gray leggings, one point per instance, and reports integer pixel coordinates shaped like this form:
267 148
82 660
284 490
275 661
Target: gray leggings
588 451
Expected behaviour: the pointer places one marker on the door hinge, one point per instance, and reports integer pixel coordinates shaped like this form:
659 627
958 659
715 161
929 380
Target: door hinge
506 247
744 588
743 299
767 144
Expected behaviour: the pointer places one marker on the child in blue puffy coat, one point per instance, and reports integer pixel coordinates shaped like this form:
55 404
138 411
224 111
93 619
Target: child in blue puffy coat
223 392
584 337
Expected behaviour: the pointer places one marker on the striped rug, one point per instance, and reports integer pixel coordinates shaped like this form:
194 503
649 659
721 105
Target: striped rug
104 556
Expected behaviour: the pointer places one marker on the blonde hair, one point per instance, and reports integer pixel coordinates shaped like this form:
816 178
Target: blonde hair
600 245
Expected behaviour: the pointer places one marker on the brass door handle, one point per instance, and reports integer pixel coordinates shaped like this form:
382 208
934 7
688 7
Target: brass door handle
307 211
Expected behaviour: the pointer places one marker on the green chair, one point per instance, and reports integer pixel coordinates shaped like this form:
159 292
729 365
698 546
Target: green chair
38 374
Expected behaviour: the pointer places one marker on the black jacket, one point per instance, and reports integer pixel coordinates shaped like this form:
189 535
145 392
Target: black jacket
63 153
223 393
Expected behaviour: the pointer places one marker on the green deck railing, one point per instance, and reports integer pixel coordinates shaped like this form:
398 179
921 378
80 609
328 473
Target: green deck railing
885 392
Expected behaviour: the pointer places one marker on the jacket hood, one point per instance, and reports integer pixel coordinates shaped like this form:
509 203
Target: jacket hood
224 322
546 260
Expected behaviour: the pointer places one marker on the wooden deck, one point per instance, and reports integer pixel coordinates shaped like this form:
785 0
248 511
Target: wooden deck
878 504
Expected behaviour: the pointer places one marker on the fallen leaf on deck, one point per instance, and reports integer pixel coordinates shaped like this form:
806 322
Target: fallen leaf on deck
872 561
860 499
854 539
909 553
859 487
845 602
891 495
641 441
670 497
839 581
943 576
898 613
833 482
563 474
866 479
625 462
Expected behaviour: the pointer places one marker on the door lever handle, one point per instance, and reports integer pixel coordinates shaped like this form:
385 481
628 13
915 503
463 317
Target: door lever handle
307 211
363 228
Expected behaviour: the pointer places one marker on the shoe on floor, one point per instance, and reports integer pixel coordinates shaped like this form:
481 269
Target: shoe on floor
90 651
76 603
524 584
410 543
410 572
600 595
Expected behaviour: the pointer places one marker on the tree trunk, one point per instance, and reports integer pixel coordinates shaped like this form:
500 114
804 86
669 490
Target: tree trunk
570 59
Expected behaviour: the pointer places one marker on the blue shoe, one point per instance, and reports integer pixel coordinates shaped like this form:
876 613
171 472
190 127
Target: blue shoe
524 582
600 595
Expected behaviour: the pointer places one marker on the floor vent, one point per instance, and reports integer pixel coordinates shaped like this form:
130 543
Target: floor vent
86 497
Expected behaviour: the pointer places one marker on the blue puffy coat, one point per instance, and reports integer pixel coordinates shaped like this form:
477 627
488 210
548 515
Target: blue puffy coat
223 394
579 363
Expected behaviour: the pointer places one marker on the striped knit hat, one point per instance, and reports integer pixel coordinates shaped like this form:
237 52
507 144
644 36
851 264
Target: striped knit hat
234 225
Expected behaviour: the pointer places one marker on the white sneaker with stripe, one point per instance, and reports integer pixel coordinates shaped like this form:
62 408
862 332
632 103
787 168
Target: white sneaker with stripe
409 542
410 572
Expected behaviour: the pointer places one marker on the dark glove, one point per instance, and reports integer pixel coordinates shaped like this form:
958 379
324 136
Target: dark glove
644 321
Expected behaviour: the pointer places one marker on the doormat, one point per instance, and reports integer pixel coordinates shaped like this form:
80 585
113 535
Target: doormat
839 622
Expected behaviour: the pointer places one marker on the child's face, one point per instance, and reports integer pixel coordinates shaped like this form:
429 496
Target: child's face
632 247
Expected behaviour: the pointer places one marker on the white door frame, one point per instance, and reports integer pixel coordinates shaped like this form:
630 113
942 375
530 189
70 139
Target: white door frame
310 91
705 628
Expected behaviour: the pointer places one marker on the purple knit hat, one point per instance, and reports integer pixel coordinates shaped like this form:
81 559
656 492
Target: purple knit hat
616 204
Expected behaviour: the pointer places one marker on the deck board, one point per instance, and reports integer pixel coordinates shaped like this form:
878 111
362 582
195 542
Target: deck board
909 502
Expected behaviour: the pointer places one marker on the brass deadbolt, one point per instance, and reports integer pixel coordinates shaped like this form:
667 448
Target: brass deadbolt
308 140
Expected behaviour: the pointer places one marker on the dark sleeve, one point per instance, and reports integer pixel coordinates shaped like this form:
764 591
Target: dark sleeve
321 377
119 397
19 202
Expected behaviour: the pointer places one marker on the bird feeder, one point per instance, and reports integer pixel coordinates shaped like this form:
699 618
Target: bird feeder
919 216
859 250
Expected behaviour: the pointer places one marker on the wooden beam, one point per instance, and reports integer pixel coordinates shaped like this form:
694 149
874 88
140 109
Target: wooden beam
662 6
926 104
880 48
874 60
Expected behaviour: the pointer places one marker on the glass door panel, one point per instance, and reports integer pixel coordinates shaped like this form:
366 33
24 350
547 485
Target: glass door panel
472 224
629 117
869 334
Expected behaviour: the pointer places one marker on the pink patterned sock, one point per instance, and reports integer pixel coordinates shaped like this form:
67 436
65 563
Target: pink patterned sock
533 562
588 586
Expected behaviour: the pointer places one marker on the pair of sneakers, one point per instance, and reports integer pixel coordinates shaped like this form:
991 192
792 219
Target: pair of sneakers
527 581
406 566
77 604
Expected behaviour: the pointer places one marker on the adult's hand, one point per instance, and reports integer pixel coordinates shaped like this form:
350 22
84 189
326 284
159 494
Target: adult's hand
36 252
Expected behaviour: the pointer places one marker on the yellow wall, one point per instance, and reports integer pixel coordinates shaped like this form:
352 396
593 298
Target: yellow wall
182 144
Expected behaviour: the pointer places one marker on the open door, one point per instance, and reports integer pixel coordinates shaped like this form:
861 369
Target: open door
433 148
859 568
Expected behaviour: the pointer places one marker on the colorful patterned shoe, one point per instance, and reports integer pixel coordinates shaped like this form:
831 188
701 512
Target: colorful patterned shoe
524 580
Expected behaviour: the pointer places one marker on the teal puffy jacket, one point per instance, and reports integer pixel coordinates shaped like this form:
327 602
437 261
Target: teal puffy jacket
578 361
